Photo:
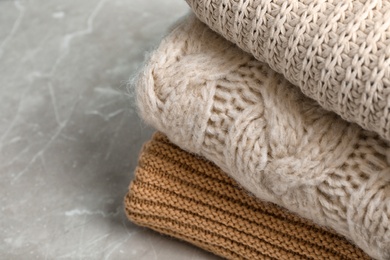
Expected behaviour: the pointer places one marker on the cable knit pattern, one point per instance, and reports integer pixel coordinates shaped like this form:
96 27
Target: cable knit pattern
336 51
212 99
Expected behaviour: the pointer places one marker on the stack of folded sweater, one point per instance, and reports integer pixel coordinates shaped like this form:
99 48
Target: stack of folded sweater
274 120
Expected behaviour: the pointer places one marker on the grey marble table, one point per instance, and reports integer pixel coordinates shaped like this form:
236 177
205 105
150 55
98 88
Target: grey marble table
69 132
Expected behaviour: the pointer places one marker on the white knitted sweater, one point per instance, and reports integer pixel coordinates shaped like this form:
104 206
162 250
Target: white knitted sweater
212 99
336 51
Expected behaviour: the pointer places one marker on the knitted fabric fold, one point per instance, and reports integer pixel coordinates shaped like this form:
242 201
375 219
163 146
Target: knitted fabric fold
337 52
187 197
214 100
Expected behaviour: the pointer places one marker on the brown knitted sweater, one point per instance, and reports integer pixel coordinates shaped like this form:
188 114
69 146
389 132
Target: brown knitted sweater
187 197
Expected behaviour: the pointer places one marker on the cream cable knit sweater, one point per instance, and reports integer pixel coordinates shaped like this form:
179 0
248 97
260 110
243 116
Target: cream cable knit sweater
336 51
212 99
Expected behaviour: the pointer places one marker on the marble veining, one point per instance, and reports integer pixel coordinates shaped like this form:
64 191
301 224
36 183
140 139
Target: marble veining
69 131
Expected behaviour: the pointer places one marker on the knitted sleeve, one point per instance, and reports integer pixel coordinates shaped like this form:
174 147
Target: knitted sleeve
337 51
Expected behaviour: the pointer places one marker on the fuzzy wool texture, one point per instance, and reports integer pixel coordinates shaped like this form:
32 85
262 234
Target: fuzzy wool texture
336 51
212 99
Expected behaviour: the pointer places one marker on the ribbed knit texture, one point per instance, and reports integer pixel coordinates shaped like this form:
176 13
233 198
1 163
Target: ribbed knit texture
336 51
212 99
187 197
